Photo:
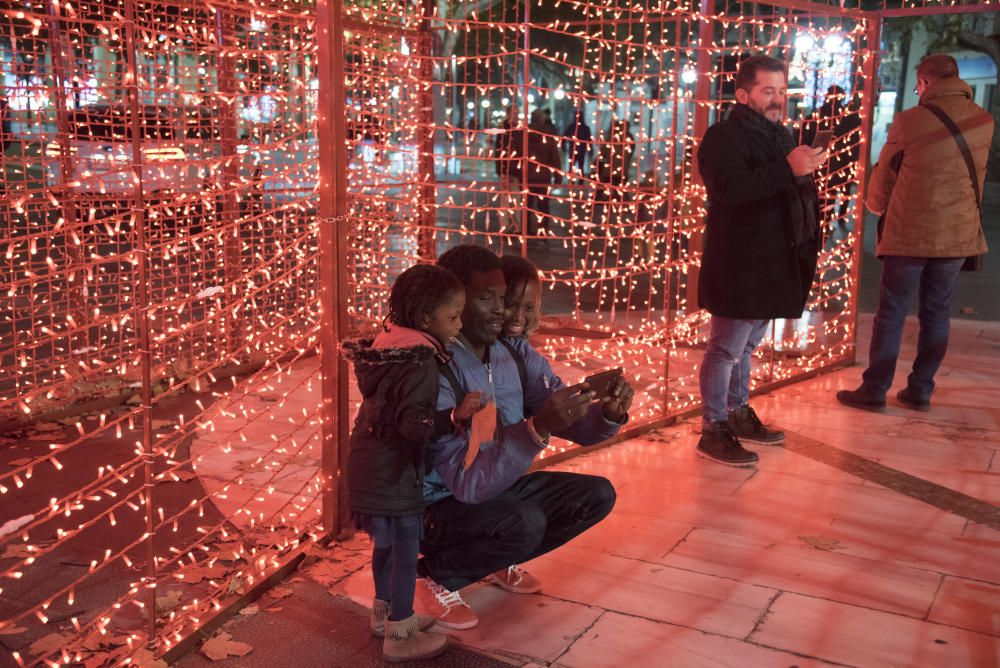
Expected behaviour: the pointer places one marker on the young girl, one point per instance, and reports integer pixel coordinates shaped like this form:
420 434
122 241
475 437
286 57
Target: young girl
397 374
523 300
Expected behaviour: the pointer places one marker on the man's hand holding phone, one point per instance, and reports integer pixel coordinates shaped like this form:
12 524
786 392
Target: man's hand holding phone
613 391
563 407
618 400
805 160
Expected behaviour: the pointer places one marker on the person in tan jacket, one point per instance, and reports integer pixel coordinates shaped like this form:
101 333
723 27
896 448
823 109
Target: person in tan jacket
930 223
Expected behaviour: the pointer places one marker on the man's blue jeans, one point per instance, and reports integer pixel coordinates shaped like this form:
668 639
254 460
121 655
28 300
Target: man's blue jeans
725 369
901 276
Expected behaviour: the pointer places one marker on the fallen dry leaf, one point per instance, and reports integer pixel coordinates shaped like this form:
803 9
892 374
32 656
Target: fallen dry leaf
97 641
237 585
19 550
274 608
223 646
280 592
104 659
48 644
332 570
143 658
20 462
250 610
199 573
160 424
229 555
178 476
822 542
12 630
168 601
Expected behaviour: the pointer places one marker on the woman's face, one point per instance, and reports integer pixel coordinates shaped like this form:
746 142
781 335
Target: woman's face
521 309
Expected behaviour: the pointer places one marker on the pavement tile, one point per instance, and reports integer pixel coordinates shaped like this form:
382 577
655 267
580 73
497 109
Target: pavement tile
653 591
857 636
968 604
620 640
806 569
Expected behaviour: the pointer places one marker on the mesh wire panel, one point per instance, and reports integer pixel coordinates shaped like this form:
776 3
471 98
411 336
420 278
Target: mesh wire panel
564 132
161 252
159 200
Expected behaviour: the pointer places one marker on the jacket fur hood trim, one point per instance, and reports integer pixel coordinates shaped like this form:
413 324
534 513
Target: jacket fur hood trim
361 351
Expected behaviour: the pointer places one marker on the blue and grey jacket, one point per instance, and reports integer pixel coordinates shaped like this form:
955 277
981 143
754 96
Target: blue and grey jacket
502 461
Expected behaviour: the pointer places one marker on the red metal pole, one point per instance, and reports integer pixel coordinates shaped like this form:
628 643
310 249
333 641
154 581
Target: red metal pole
525 91
142 304
77 294
873 40
333 207
980 8
226 200
702 93
426 233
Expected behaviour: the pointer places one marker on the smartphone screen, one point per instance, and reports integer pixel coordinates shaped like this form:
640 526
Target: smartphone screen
601 383
822 139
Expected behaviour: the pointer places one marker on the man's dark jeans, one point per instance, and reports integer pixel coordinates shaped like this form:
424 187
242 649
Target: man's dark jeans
934 279
466 542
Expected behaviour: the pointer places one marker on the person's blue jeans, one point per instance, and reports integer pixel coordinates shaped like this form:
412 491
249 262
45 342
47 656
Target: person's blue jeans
725 369
934 279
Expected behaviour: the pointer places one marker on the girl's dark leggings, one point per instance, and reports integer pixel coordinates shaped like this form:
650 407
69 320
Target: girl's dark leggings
395 566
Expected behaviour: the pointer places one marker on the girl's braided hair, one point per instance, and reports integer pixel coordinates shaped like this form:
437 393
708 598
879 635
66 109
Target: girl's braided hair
518 271
418 291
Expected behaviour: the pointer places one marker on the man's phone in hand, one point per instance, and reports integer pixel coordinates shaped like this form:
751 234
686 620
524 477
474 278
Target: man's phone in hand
822 139
601 383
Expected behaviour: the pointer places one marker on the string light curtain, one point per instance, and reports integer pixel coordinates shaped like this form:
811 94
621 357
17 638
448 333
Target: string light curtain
199 197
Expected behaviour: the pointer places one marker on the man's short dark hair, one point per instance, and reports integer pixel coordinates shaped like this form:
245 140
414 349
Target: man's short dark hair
746 76
936 66
419 291
464 260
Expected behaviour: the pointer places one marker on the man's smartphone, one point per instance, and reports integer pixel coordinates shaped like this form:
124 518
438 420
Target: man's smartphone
822 139
601 383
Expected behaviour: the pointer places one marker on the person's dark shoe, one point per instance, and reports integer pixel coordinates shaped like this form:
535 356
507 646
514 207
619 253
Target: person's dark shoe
858 399
719 443
907 400
748 427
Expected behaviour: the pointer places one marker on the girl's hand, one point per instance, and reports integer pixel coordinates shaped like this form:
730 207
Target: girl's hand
472 403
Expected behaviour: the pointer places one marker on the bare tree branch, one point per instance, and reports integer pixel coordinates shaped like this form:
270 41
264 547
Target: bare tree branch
988 44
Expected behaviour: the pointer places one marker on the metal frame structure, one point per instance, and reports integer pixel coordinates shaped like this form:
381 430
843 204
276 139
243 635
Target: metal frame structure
304 260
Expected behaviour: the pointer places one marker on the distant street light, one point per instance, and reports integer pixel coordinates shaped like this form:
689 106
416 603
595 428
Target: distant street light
689 75
833 44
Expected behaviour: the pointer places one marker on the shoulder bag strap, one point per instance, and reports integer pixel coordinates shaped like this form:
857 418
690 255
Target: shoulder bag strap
522 368
962 146
456 385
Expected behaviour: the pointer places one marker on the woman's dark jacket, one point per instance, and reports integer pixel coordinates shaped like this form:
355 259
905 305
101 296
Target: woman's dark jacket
397 374
762 230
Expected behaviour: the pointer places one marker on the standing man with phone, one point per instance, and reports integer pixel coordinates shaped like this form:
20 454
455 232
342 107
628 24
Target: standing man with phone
927 186
486 517
761 246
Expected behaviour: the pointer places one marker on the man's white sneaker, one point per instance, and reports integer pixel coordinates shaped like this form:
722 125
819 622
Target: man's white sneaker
517 580
446 606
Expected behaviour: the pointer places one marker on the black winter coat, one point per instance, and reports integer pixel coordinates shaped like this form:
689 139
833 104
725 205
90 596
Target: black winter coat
395 422
761 233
